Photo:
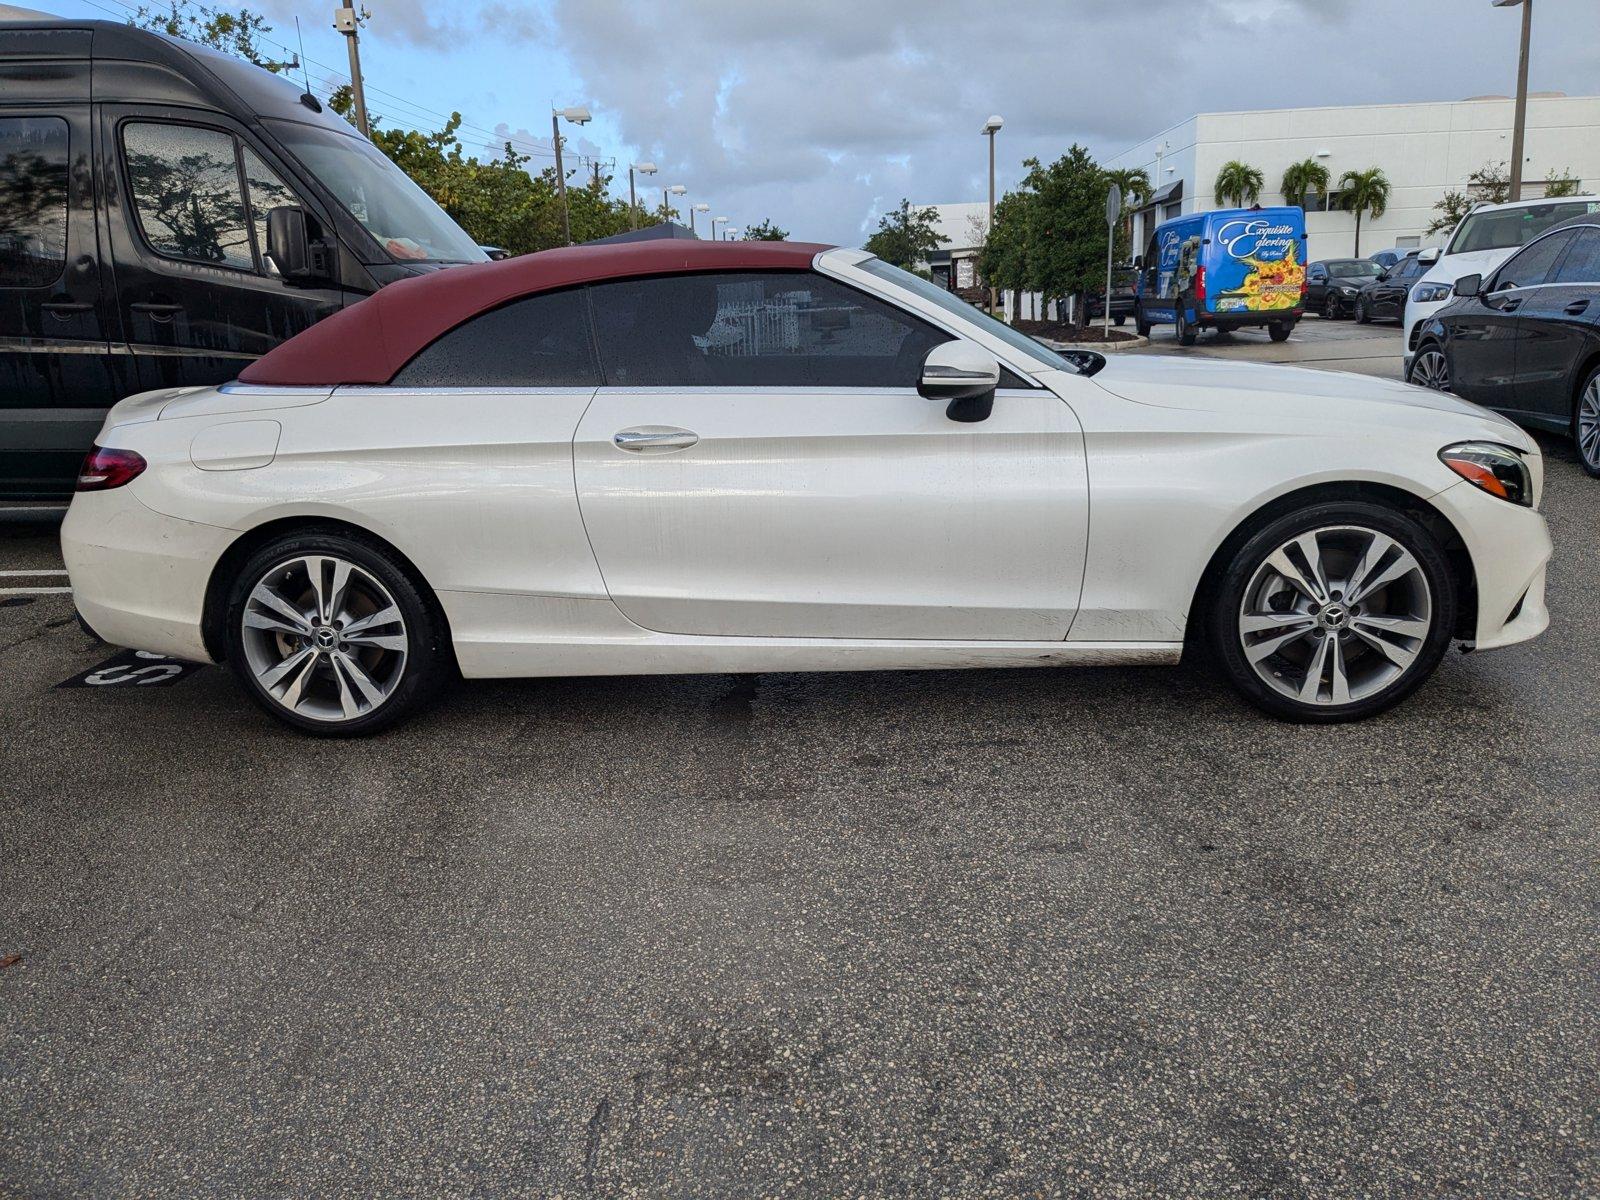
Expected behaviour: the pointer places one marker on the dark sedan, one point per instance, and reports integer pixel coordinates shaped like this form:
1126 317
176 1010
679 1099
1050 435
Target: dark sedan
1526 340
1385 297
1332 284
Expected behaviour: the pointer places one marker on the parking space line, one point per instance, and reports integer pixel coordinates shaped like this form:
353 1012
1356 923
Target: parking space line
36 591
28 574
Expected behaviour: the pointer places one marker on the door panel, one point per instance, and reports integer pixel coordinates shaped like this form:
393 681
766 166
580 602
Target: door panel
196 298
1483 349
55 370
833 512
1559 330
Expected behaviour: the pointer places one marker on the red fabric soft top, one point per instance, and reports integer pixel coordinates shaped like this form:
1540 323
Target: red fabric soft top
368 342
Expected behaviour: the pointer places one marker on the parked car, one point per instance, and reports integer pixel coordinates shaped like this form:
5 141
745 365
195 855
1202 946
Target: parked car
640 458
1332 285
1486 237
1388 258
169 214
1124 281
1223 270
1525 340
1385 297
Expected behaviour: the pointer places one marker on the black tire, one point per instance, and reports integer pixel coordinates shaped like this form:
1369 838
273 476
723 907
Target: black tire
1224 619
1279 331
1120 319
1363 316
1140 324
1425 365
1186 332
1330 308
426 661
1588 397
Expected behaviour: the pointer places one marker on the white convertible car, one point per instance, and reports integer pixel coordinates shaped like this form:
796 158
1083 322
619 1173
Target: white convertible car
782 457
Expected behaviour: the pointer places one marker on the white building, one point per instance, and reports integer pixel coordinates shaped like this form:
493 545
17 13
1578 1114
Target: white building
964 228
1424 149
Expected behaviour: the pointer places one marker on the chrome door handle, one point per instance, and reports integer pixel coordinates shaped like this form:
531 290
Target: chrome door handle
649 438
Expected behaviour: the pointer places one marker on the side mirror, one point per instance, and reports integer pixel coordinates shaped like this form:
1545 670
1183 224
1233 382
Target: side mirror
1138 262
964 375
290 248
1468 285
1428 256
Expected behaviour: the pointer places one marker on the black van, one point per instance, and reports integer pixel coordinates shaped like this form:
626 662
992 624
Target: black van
167 214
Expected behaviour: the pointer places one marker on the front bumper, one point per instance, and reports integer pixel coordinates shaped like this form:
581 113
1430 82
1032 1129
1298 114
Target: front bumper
139 578
1510 547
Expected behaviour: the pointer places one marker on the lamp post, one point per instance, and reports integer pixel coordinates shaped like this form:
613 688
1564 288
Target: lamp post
644 168
578 115
694 208
715 221
732 235
990 128
676 189
1520 120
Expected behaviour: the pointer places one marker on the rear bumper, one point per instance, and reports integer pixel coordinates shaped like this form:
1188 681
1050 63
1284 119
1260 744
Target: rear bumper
1510 548
138 578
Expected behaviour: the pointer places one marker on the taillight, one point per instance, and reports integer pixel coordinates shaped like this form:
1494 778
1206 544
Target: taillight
1200 284
103 468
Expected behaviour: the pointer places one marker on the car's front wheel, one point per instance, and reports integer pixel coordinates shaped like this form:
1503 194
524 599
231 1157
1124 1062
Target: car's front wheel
1586 423
1430 368
1334 613
330 634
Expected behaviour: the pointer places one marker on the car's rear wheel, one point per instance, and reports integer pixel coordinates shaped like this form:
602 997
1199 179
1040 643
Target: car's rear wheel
1334 613
1430 368
330 634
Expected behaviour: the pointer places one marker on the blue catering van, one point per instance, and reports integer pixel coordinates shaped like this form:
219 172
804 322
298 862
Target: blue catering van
1224 270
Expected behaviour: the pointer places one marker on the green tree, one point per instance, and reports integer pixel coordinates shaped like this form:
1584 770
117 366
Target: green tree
1304 179
1364 192
1556 186
1490 183
1003 259
1451 209
236 32
1238 182
765 231
1135 185
906 236
1066 235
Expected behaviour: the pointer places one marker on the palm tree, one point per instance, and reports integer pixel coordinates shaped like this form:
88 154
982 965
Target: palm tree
1305 178
1133 181
1239 182
1364 192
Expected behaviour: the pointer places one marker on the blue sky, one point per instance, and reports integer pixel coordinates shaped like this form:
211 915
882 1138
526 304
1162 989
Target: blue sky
822 113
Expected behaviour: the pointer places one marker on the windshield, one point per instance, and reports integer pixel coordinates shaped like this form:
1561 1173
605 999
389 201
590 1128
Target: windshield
1512 227
400 215
953 304
1355 268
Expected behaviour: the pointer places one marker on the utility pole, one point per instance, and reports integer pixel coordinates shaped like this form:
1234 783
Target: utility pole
990 128
578 115
345 21
1519 122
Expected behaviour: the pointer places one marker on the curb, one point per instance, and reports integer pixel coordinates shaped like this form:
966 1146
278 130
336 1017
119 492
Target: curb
1098 347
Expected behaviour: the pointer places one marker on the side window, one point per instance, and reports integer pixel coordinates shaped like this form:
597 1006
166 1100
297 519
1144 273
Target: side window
185 188
540 341
33 200
1531 265
794 329
267 191
1582 264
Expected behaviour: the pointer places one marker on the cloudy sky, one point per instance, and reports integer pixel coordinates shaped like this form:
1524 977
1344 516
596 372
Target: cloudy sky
819 114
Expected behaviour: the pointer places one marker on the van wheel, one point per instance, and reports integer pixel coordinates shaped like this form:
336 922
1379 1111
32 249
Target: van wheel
1140 323
1120 319
1185 331
1279 331
1334 612
330 635
1586 424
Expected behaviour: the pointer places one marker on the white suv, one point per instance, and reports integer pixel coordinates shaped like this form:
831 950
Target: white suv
1486 237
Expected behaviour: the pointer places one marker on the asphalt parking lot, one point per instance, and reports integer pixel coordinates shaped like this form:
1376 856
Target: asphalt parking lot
1094 933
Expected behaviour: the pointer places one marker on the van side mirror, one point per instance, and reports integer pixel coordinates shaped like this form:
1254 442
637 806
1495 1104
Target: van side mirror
290 248
964 375
1138 262
1468 285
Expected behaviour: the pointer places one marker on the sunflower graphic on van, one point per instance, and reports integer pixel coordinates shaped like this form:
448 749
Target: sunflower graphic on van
1268 284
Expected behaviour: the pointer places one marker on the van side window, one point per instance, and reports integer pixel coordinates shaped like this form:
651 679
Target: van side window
185 185
33 200
538 341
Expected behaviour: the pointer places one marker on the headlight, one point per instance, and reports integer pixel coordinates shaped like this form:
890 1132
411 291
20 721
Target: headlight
1432 292
1348 291
1496 469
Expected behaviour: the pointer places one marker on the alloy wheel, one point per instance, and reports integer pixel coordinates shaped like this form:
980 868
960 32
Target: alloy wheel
1589 424
1431 370
1335 615
324 638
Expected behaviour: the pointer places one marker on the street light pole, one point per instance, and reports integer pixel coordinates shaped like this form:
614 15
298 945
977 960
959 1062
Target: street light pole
1519 121
578 116
990 128
676 189
344 20
694 208
644 168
